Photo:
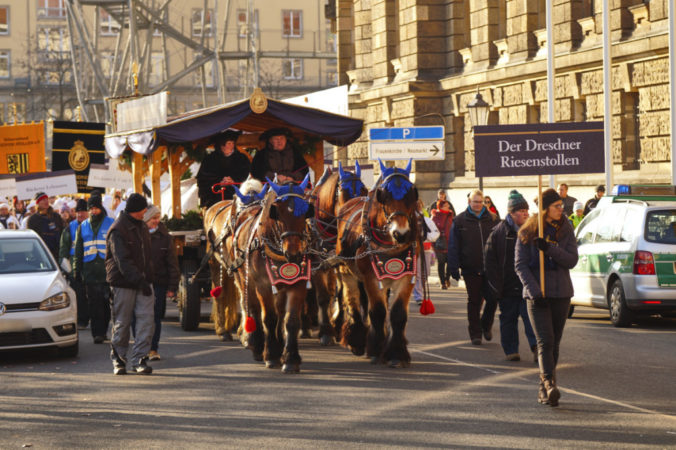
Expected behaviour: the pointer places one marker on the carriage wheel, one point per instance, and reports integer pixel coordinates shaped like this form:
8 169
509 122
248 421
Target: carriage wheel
189 297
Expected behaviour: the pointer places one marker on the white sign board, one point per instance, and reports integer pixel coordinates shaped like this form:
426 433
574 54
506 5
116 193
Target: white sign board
109 177
333 100
62 182
7 188
141 113
405 150
426 142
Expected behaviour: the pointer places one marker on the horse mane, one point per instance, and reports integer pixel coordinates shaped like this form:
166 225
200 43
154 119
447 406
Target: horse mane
250 187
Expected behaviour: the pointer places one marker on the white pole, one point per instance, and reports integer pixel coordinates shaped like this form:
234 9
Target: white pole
672 84
607 93
550 71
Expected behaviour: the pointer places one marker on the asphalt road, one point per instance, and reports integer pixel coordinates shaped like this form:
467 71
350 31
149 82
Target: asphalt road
618 391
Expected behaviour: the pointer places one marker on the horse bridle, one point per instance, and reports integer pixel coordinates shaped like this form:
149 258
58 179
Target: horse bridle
388 217
288 234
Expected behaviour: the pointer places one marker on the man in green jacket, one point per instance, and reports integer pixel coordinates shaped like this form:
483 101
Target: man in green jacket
89 264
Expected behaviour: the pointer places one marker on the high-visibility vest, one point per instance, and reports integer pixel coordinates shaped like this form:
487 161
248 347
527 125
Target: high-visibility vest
94 245
73 229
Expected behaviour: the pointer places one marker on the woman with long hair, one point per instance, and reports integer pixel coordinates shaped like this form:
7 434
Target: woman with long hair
491 206
547 306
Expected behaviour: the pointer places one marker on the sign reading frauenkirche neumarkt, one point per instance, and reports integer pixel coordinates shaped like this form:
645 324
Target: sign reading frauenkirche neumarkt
538 149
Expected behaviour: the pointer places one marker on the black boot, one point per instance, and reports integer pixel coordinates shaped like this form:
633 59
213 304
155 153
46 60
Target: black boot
542 392
553 393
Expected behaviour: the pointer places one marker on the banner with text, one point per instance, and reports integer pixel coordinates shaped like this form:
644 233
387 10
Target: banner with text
110 176
538 149
22 148
77 145
51 183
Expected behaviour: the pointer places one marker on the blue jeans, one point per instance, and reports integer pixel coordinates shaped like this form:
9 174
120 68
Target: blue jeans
510 310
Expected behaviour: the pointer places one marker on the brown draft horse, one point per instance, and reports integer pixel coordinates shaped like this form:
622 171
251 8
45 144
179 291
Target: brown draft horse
331 192
219 223
377 238
273 277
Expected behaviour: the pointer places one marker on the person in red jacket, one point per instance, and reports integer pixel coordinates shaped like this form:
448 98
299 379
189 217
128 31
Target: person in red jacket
443 219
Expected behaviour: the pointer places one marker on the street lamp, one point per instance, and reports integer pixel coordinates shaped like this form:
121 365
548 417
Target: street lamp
478 115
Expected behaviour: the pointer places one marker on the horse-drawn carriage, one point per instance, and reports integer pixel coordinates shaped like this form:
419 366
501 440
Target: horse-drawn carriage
267 248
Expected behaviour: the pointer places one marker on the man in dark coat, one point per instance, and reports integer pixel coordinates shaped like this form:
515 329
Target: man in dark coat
503 281
47 223
224 165
592 202
468 236
129 270
278 157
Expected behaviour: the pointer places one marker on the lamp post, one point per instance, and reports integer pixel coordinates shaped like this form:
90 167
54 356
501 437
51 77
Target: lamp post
478 115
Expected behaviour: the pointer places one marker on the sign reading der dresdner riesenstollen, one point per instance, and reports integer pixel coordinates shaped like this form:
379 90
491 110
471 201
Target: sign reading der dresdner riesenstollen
538 149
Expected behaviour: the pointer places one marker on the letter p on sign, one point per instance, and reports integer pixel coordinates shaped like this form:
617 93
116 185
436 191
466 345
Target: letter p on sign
407 131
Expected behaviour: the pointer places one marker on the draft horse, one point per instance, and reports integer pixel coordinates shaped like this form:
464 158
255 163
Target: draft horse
377 238
332 191
219 223
273 279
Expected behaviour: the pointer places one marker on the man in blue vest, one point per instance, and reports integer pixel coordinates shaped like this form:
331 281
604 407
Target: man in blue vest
66 257
90 264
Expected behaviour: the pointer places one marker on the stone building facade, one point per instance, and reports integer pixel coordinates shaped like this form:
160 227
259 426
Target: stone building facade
419 62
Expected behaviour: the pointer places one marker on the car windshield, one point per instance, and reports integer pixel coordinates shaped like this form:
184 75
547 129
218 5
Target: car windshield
24 255
660 226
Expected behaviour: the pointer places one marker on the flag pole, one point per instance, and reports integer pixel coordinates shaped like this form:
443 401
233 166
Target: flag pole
540 234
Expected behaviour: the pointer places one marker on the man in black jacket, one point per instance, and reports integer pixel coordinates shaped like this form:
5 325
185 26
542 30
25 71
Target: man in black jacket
47 223
225 164
592 202
466 242
278 157
502 280
129 271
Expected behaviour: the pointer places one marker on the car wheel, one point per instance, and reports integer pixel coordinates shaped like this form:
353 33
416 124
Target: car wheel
571 310
620 315
70 351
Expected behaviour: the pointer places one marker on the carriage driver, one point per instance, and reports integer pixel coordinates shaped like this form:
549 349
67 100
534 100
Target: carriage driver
224 165
278 157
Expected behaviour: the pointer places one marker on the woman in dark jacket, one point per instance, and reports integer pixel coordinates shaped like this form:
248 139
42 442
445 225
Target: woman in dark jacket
548 307
443 219
165 268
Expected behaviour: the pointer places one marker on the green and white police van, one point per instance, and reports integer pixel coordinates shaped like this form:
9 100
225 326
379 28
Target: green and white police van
627 254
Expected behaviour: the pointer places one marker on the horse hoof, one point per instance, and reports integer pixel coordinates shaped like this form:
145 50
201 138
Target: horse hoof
258 357
290 368
225 337
305 334
357 351
271 364
394 363
325 340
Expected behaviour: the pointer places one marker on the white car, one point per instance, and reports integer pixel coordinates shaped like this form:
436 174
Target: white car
37 306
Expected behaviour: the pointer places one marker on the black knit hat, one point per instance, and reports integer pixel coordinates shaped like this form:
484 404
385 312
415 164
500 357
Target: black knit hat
135 203
516 201
93 202
81 205
548 197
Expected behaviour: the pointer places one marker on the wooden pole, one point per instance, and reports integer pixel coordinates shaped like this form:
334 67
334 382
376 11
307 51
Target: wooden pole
540 234
155 173
137 171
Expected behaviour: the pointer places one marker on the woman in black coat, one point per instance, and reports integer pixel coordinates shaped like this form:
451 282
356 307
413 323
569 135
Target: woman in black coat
548 307
225 164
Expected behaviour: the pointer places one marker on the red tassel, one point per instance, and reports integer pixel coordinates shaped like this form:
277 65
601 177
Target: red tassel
249 325
215 292
426 307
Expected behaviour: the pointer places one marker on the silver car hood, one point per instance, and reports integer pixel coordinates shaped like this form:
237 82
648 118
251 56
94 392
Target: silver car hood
30 287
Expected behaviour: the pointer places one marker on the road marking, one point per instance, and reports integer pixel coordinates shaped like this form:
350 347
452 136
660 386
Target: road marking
567 390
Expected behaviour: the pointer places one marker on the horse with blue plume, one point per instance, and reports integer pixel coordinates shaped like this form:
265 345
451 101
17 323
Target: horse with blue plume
351 182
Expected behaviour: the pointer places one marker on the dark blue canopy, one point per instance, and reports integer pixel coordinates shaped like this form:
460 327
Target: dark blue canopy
333 128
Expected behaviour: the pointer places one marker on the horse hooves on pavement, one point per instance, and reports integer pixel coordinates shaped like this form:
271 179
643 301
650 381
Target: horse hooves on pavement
395 363
357 351
225 337
271 364
258 357
325 340
290 368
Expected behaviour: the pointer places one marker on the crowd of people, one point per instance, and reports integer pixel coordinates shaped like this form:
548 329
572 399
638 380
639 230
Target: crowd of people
499 262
